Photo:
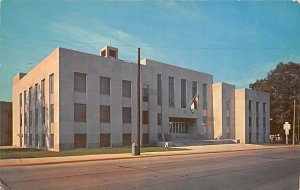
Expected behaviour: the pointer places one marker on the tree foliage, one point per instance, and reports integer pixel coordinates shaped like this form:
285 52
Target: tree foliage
283 84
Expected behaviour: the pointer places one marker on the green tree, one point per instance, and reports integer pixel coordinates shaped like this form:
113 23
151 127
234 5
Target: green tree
283 84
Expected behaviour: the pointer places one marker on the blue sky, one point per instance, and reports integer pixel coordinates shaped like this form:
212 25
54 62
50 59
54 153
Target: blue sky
236 41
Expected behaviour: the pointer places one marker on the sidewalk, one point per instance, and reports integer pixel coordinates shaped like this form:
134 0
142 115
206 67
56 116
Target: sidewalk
207 149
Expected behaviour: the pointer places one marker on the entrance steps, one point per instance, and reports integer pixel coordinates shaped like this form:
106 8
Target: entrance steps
202 142
178 140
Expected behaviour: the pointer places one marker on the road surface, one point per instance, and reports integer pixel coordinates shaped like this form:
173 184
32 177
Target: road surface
264 169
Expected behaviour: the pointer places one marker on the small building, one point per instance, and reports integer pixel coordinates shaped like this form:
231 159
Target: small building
241 114
79 100
252 116
5 123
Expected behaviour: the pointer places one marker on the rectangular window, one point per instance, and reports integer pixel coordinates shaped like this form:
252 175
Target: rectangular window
79 112
264 107
25 98
257 108
204 122
126 115
21 120
194 91
171 91
52 113
126 88
51 84
159 119
159 90
126 139
257 137
103 53
36 118
145 93
204 96
194 88
145 117
25 119
257 122
43 142
43 88
79 140
43 115
264 122
104 114
105 85
145 138
30 139
250 121
228 121
228 105
183 93
79 82
25 139
36 140
51 144
29 97
104 140
36 92
250 137
112 53
250 105
30 118
20 99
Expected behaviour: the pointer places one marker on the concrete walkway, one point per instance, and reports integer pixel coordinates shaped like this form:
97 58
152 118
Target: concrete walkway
208 149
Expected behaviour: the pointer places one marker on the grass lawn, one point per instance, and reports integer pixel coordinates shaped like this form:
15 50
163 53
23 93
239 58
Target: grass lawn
34 153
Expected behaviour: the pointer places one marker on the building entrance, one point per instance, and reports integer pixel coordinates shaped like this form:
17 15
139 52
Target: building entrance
181 125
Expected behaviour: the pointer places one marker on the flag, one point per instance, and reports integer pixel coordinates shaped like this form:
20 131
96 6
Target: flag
194 104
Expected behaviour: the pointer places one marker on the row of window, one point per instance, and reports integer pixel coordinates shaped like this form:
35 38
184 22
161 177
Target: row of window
105 140
80 86
36 120
257 106
257 122
36 89
30 141
42 111
105 116
257 135
183 92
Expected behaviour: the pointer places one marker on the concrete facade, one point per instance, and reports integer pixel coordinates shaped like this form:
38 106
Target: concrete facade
45 116
59 134
224 110
5 123
252 116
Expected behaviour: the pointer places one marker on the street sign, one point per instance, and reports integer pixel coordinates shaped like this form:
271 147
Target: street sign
286 127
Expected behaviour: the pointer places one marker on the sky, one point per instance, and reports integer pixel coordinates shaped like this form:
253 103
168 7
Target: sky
235 41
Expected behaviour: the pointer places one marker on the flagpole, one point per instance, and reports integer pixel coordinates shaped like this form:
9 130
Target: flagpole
190 103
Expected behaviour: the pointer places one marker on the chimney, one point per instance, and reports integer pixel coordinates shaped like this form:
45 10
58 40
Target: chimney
109 52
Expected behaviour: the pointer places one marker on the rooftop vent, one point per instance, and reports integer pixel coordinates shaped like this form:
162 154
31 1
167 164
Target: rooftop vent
109 52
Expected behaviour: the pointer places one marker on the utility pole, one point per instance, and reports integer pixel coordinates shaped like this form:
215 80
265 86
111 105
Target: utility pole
294 122
136 147
298 122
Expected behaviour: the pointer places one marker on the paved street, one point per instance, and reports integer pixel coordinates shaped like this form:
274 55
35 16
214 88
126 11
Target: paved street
264 169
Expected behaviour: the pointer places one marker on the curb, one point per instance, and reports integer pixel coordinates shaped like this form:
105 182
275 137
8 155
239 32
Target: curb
136 157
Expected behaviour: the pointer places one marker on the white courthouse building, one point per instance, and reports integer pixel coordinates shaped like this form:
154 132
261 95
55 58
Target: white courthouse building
79 100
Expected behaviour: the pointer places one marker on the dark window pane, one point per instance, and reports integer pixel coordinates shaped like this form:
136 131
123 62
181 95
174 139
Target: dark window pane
79 112
105 114
105 85
79 82
126 113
